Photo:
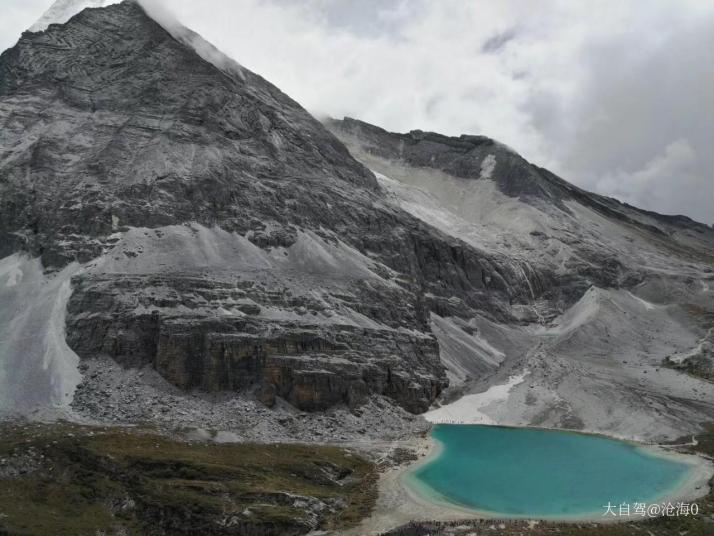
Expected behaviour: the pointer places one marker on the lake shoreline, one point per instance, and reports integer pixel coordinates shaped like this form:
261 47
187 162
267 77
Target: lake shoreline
399 503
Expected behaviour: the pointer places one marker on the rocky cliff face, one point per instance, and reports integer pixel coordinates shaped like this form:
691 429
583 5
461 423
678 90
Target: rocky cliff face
226 237
479 157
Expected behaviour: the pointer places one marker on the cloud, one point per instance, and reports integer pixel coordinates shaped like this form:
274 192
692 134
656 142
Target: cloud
18 15
158 11
652 184
496 42
63 10
603 92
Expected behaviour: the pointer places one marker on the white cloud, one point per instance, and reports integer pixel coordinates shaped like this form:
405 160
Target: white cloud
670 180
63 10
16 16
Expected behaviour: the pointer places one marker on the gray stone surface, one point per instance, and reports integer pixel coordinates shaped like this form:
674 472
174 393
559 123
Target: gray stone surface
219 236
197 197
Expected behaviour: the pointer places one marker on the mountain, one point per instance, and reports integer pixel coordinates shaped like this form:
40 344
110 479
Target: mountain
214 229
619 298
191 243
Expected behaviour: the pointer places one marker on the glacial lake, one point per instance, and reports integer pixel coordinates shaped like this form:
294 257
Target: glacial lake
521 472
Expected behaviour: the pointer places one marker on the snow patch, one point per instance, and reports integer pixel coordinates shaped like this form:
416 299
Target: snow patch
471 409
487 167
647 305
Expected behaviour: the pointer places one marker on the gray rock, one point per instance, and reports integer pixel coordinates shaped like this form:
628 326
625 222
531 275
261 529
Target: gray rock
121 142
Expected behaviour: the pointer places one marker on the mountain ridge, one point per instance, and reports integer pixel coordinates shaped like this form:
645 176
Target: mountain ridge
467 142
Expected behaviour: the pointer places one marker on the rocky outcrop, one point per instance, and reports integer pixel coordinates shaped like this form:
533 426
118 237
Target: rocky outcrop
479 157
466 156
218 335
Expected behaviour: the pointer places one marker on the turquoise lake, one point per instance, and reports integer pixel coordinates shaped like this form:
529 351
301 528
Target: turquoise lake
534 472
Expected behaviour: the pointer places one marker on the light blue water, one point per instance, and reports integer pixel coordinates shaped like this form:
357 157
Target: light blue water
532 472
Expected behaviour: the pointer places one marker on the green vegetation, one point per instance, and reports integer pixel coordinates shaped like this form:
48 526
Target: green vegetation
703 316
74 480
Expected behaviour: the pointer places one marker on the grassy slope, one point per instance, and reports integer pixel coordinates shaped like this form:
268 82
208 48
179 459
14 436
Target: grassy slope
81 480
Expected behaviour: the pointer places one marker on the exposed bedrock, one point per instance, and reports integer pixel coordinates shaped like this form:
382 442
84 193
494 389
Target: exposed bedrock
229 239
313 368
313 346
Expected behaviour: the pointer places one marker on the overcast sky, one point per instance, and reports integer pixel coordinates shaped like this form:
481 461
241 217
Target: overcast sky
616 96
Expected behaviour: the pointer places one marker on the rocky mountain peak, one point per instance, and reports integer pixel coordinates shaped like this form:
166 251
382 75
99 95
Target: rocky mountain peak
144 130
476 157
